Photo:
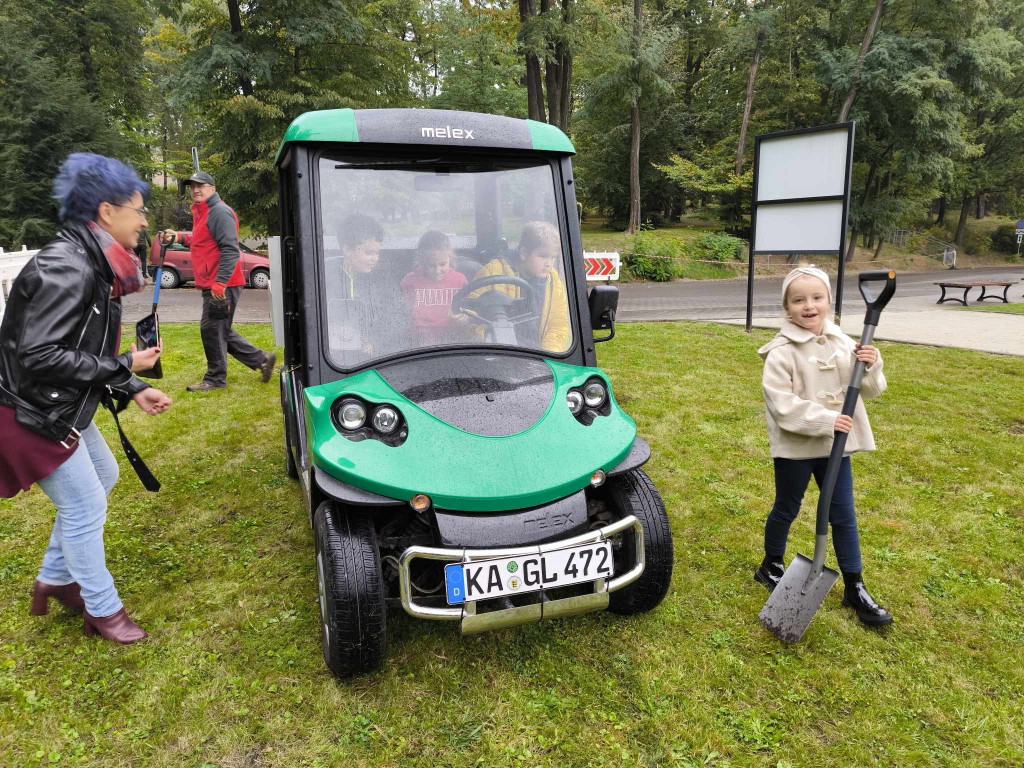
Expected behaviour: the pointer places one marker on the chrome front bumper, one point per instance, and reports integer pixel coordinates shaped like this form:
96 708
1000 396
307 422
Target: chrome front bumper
472 622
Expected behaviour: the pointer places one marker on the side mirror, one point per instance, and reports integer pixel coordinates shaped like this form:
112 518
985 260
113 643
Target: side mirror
604 302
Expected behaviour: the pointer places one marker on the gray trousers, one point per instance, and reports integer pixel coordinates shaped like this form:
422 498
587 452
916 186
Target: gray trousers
219 339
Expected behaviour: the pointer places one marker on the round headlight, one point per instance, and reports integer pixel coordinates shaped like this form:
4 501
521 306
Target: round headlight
352 414
594 394
575 401
385 419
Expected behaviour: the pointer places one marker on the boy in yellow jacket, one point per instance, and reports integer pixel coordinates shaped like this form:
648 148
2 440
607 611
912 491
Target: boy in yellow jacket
540 250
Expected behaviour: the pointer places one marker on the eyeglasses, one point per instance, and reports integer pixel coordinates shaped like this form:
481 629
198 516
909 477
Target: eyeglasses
143 212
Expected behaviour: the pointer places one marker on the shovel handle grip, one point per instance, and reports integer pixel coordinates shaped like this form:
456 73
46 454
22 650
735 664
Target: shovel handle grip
877 303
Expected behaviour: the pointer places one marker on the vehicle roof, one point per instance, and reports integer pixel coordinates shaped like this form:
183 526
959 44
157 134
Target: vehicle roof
419 127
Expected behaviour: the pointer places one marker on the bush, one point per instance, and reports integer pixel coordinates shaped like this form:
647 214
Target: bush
1004 239
977 242
648 260
716 246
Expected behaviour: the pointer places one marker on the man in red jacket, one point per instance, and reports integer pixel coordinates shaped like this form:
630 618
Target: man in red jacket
214 245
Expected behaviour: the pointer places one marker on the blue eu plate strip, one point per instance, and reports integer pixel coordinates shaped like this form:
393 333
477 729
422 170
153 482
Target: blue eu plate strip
455 582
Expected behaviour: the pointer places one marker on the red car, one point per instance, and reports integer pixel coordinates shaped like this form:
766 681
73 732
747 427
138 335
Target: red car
178 265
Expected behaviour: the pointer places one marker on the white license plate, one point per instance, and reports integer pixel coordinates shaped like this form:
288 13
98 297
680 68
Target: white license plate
502 577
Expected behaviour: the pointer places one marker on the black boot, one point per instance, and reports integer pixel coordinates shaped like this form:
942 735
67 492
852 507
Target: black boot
856 596
770 572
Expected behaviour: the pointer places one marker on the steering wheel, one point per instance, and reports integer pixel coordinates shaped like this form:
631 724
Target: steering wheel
492 305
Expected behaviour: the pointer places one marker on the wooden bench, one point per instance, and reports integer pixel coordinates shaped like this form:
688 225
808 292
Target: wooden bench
979 284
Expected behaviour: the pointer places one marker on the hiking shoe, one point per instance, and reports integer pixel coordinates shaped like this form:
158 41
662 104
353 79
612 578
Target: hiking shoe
267 366
204 386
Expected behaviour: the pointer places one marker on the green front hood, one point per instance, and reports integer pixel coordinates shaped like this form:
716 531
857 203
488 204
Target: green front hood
549 460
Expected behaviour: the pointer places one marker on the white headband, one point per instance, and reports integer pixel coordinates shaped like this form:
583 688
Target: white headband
811 271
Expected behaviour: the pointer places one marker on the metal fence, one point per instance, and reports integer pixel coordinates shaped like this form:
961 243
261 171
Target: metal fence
933 247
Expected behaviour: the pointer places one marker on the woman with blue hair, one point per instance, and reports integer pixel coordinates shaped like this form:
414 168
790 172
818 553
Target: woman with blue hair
59 346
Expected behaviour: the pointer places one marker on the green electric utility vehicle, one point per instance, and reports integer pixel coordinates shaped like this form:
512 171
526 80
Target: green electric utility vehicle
459 451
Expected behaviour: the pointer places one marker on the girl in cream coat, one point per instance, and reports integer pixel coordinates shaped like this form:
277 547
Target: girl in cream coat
806 369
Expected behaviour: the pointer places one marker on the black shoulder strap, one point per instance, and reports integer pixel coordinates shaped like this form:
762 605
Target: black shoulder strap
150 482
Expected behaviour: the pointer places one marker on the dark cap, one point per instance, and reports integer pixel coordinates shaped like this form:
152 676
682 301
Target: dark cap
201 177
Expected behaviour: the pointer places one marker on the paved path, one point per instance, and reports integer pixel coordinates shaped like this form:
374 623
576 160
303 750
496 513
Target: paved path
912 315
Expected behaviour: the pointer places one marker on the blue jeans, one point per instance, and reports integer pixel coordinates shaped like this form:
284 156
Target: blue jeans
79 489
792 477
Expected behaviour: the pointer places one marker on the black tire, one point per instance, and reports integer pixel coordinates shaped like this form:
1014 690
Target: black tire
353 617
289 460
259 278
169 278
633 493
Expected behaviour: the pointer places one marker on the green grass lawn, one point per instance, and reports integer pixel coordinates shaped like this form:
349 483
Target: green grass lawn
1010 309
218 567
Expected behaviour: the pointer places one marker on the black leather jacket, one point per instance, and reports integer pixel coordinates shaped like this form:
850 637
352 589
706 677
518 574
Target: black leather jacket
58 340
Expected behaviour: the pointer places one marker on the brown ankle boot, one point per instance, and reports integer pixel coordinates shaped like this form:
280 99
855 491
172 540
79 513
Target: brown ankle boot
117 627
69 594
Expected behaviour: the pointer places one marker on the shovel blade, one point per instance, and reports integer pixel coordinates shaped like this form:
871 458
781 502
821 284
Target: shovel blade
796 599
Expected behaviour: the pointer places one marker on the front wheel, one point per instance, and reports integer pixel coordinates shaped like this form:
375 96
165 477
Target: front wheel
353 618
633 493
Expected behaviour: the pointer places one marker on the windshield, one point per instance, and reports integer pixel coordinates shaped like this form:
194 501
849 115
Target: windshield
434 252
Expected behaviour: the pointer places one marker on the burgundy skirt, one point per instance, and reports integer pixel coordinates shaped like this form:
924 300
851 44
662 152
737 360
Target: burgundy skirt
25 457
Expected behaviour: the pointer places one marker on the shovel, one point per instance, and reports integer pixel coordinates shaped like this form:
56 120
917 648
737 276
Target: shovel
147 330
803 587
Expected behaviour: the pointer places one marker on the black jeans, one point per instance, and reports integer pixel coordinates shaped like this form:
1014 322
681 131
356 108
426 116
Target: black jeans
792 477
219 339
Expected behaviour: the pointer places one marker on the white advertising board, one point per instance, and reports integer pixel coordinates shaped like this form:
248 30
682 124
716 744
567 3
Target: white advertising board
802 165
795 227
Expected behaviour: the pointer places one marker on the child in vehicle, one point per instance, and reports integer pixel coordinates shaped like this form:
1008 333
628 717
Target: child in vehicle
429 290
540 251
806 369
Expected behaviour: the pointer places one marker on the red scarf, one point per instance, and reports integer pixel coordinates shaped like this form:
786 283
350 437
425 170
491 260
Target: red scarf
125 264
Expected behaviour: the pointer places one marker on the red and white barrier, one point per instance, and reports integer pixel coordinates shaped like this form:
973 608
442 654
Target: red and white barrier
601 266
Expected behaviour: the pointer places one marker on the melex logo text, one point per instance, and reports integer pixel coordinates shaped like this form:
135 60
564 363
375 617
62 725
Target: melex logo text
446 133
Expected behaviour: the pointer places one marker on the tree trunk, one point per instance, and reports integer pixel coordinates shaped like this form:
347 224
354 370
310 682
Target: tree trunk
979 206
747 104
565 67
942 210
634 147
878 249
634 169
865 46
961 227
852 249
534 86
235 17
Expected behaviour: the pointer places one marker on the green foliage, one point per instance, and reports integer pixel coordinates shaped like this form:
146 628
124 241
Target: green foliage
650 259
1004 239
40 127
56 98
716 246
